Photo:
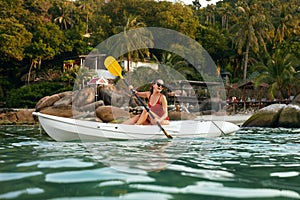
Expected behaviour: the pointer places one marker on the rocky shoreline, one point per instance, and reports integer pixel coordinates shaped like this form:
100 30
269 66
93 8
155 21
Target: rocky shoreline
25 117
81 104
277 115
17 117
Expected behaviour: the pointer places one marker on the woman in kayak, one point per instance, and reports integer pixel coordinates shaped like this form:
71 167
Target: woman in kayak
157 104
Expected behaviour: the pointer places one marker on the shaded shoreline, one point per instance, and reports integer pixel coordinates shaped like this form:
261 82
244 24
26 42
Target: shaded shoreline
24 117
237 119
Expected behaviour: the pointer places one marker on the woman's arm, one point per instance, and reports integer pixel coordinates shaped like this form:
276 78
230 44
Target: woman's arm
140 94
143 94
164 105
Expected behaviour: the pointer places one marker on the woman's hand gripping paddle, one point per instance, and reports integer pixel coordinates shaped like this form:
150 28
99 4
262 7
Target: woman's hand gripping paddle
114 68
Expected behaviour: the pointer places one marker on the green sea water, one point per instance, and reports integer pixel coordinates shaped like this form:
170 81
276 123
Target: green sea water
255 163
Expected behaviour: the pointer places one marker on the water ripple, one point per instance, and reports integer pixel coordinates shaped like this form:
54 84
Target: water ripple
92 175
218 189
203 173
254 163
69 162
285 174
15 194
17 175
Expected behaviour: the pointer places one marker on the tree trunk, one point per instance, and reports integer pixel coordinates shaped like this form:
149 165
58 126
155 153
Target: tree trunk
29 72
227 22
246 61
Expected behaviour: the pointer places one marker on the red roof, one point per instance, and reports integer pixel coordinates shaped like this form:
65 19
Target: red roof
98 81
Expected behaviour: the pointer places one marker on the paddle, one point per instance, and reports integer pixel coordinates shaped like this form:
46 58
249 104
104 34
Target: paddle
114 68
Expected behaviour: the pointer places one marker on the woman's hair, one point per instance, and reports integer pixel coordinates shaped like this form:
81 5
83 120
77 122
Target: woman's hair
151 85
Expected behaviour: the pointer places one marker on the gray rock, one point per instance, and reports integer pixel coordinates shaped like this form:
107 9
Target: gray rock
290 117
266 117
62 111
91 107
296 100
277 115
66 100
83 97
177 115
111 113
46 102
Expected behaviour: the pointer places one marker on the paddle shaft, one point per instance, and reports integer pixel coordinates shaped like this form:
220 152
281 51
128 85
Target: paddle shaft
148 110
222 132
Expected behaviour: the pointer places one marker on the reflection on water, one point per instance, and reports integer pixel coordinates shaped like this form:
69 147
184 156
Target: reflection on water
148 156
255 163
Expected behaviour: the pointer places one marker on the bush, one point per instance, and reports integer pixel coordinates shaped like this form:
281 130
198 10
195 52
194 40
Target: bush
28 95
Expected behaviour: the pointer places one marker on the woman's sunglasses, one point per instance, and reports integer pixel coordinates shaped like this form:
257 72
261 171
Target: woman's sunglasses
159 84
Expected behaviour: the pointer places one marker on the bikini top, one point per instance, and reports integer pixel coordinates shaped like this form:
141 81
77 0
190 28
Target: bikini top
158 102
157 108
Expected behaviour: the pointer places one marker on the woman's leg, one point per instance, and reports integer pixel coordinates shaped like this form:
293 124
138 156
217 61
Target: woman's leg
143 118
132 120
165 122
162 122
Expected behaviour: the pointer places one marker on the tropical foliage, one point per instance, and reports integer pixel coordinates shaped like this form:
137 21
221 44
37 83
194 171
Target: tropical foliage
280 71
250 39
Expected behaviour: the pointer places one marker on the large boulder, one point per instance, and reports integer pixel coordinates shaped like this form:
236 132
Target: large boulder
9 118
62 111
60 99
111 113
177 115
290 117
266 117
46 102
277 115
296 100
24 116
64 94
12 117
65 99
91 107
83 97
111 96
105 94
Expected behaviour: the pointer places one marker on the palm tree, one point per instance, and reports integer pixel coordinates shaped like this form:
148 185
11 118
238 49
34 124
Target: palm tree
283 24
132 40
225 12
174 67
65 18
250 32
210 15
173 62
279 71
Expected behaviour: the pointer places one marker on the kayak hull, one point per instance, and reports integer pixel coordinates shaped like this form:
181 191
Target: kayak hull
69 129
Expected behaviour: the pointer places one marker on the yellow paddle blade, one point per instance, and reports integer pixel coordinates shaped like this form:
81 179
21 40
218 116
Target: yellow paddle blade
113 66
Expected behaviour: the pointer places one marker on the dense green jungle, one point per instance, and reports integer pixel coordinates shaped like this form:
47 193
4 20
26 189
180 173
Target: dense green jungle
251 40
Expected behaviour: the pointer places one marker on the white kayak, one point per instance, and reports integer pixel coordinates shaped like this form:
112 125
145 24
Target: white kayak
70 129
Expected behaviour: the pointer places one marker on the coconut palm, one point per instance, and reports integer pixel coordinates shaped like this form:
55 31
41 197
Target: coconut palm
176 68
279 71
65 19
284 24
210 15
225 12
133 40
250 32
